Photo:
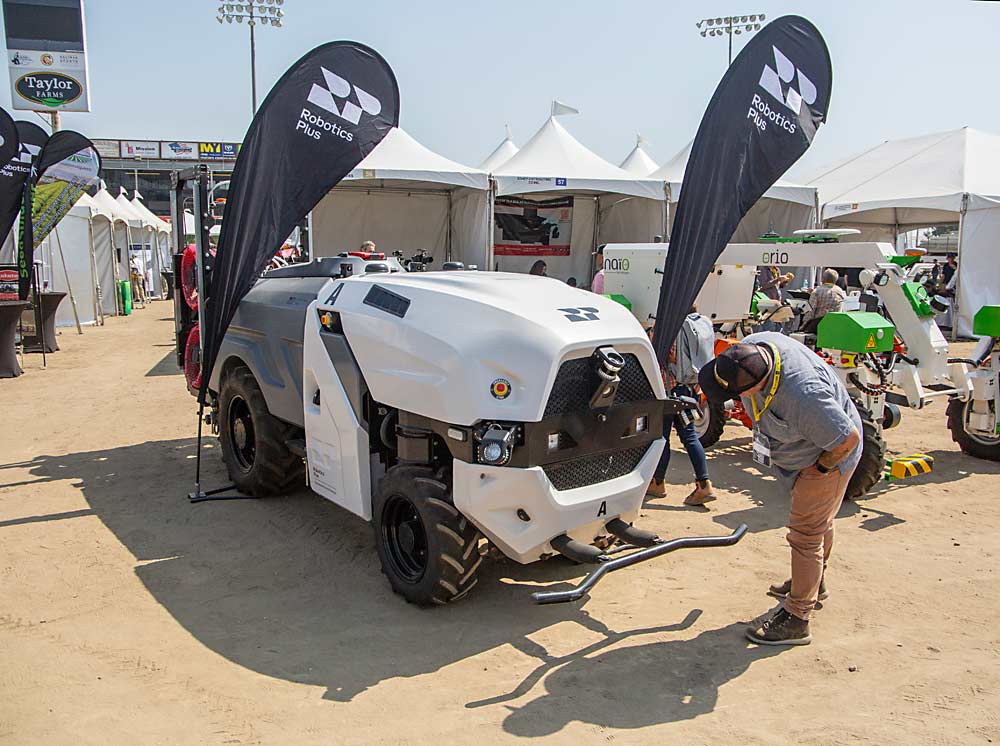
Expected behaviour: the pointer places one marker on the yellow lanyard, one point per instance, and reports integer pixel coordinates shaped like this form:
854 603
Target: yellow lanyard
774 387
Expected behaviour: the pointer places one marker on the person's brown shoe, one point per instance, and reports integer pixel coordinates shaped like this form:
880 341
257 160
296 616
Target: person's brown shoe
657 488
702 494
781 629
780 591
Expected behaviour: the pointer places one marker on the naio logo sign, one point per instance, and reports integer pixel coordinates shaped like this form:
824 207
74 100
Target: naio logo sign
48 89
341 98
777 81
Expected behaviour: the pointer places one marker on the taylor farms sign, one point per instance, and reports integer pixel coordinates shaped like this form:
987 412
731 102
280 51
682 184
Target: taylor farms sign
52 90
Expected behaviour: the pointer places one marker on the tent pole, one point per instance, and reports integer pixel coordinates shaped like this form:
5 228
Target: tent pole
956 306
69 286
116 271
666 213
596 238
94 281
447 238
490 248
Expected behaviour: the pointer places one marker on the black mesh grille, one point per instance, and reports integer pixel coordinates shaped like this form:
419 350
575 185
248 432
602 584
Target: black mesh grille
598 467
576 381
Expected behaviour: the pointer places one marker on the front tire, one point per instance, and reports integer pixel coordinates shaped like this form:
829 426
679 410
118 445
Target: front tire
871 467
977 446
711 424
253 440
429 551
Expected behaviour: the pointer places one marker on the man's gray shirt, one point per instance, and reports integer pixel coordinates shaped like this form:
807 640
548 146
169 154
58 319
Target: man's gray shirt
811 411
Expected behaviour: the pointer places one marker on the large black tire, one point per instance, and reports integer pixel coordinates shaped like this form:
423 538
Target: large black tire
871 468
254 441
429 551
974 445
711 424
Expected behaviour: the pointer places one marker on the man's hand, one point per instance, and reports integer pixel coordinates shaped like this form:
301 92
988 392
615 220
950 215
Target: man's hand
830 459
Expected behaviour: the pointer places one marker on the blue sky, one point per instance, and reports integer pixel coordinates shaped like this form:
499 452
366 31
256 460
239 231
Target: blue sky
168 70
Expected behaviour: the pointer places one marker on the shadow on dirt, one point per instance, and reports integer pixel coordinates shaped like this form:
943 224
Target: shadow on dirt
665 681
291 587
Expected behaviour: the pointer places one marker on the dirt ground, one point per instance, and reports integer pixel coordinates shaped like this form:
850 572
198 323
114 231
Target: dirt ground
129 616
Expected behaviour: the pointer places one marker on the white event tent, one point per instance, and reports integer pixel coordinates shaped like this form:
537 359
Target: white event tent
117 231
160 238
143 241
639 162
902 185
405 197
609 204
785 207
501 154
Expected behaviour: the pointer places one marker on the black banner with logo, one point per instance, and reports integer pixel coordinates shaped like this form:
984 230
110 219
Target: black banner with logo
31 139
9 139
325 114
762 118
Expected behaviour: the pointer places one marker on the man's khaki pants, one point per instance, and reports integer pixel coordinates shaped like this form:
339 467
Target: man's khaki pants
816 498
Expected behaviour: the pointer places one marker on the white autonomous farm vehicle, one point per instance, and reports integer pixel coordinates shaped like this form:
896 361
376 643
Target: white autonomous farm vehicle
454 410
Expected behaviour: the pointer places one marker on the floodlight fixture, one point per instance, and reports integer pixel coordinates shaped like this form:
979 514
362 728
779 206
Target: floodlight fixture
727 26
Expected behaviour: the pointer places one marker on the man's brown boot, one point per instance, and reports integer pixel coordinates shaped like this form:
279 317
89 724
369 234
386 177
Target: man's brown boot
781 629
702 493
657 488
780 591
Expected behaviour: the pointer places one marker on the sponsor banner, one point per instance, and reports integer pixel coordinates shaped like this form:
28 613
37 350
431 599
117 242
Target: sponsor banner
46 56
762 118
332 107
178 150
108 148
66 166
218 151
139 149
15 182
525 227
8 282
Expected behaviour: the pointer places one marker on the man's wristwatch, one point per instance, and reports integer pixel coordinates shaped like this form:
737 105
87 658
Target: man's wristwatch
823 469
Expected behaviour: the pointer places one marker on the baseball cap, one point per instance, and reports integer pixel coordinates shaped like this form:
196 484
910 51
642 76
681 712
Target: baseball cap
738 368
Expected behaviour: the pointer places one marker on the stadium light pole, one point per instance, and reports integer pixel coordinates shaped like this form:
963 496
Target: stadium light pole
730 26
254 12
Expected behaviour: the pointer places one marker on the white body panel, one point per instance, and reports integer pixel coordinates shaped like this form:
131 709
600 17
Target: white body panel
464 330
491 496
336 443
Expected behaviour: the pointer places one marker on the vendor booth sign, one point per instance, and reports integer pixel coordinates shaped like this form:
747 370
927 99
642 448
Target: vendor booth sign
45 55
218 151
140 149
525 227
8 282
175 149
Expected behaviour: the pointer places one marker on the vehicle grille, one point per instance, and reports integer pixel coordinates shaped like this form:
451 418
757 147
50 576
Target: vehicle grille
576 382
593 469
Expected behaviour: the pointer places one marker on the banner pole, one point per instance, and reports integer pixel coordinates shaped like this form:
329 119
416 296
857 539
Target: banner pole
69 286
39 327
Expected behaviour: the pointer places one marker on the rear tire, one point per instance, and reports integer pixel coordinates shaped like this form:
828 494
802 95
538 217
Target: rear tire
711 424
429 551
871 467
974 445
253 440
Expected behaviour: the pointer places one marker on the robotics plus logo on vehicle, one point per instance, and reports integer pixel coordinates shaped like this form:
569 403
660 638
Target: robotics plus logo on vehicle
777 82
326 96
581 314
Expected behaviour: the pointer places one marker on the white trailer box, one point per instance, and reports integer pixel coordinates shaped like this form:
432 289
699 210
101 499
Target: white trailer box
636 271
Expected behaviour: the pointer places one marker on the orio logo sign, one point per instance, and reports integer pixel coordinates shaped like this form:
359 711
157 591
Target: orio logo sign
48 89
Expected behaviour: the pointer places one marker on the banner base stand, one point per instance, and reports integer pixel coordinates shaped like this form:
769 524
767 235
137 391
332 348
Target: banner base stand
200 496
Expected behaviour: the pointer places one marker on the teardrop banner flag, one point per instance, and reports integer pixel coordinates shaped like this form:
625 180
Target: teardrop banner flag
68 165
762 118
9 139
15 169
325 114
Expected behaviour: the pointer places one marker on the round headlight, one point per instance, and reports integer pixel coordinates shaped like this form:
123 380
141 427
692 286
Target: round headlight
492 452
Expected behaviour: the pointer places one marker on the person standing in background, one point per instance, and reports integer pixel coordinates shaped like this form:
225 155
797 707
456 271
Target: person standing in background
597 284
694 348
539 268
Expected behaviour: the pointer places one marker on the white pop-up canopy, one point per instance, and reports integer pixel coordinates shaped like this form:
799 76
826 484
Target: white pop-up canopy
784 208
111 241
405 197
160 238
945 177
501 153
609 204
639 162
143 243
